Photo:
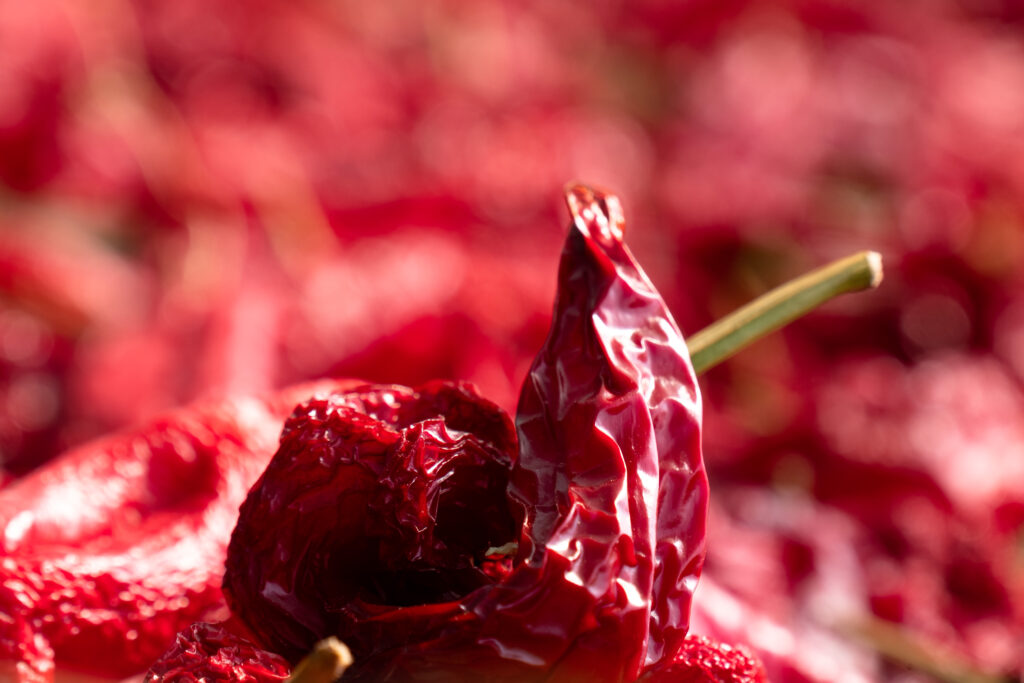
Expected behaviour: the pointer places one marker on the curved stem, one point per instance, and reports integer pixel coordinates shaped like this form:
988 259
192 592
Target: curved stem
782 305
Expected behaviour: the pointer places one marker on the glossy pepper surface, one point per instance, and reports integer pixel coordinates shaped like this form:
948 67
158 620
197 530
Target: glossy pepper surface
438 543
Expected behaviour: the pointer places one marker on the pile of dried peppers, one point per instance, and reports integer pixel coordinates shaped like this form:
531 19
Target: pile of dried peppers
436 538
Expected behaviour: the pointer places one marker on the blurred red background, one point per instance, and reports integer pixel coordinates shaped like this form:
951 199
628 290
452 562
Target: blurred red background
202 198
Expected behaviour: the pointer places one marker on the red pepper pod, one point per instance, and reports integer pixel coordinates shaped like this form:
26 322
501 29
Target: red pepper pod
609 472
119 544
609 421
609 486
373 519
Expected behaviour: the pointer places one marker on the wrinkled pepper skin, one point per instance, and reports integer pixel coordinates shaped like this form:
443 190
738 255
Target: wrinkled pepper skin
116 546
211 653
606 501
381 497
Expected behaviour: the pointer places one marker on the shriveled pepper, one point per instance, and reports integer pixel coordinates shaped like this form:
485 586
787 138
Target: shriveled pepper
411 523
379 500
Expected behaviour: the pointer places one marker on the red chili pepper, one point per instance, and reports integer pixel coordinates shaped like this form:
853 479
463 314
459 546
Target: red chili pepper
365 506
383 518
118 545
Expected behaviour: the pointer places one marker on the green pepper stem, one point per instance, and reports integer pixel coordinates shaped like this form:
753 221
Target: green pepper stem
723 338
324 664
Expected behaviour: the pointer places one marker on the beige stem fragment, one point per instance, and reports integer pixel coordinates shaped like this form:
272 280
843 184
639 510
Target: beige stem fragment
324 664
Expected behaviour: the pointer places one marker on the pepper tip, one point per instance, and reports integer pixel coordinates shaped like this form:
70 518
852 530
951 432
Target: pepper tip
596 213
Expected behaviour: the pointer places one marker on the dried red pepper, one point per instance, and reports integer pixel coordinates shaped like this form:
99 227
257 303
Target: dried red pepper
381 496
118 545
382 518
